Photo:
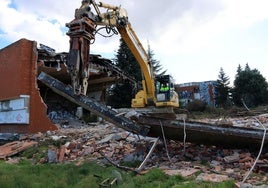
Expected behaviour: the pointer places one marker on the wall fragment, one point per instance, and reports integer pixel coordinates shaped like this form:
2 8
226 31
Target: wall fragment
18 71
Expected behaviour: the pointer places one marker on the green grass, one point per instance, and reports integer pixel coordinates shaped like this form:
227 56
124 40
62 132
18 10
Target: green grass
40 151
50 175
25 174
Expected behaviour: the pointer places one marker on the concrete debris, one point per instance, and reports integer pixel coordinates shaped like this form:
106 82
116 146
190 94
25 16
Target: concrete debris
55 137
247 121
104 141
7 137
212 177
248 185
133 157
224 122
59 115
113 137
231 159
211 132
52 155
183 172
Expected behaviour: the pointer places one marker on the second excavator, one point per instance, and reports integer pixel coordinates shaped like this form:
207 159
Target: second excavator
157 91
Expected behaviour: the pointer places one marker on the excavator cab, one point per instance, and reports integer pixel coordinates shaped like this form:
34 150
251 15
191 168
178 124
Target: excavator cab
165 91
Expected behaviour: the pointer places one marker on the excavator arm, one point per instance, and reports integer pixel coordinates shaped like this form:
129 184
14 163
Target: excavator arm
117 17
114 17
146 95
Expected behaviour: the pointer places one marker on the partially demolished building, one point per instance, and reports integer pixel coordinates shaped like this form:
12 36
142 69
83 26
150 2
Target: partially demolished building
22 107
35 82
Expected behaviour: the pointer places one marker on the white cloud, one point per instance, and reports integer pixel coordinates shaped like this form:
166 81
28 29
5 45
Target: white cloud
25 24
183 34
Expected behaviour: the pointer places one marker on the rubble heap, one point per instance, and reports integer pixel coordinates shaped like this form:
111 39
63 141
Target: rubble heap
105 143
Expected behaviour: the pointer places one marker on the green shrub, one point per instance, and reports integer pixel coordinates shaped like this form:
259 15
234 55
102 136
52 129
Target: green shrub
196 106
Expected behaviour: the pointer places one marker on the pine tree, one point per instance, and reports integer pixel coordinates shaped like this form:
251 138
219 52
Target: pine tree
157 67
126 61
239 69
222 90
120 94
247 68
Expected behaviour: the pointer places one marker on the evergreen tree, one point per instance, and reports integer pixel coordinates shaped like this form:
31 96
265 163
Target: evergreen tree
247 68
126 61
157 67
222 90
251 87
239 69
120 94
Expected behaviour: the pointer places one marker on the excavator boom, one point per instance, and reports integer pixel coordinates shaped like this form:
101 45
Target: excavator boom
140 54
116 17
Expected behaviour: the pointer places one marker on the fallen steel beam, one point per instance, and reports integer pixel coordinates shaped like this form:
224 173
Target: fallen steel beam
173 129
91 105
205 133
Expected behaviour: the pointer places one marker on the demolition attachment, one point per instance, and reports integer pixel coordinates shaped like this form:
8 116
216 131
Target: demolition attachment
81 32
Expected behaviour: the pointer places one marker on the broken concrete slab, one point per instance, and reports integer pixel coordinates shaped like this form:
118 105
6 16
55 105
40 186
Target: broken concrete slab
7 137
183 172
212 177
52 155
248 185
205 133
231 159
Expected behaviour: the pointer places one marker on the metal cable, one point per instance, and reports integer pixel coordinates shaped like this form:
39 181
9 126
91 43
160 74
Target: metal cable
257 158
163 134
108 30
262 143
184 135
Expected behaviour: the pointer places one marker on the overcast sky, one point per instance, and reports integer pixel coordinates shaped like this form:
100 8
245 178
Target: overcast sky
192 39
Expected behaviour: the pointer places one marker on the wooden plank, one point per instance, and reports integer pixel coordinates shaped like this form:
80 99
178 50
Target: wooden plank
15 147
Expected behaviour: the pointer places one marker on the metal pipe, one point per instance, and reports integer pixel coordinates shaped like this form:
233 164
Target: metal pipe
108 6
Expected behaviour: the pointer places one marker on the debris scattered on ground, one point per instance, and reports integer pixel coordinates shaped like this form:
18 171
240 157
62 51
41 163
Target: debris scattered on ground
212 177
246 121
106 143
5 137
183 172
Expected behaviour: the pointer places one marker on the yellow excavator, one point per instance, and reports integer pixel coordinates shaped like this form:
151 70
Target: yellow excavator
156 91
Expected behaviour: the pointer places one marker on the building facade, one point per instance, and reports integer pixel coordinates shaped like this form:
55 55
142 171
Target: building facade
204 91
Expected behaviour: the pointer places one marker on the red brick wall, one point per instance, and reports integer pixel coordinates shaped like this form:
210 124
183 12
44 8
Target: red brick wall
18 71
